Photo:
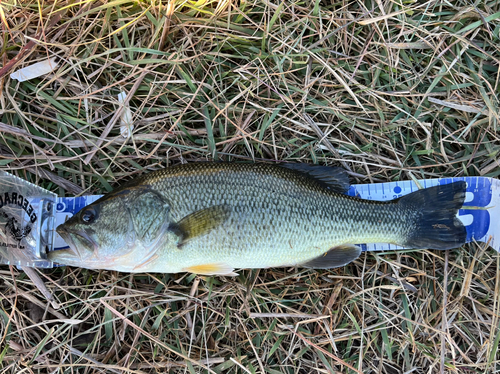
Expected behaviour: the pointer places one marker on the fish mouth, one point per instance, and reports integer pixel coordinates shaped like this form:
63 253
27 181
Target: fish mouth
81 248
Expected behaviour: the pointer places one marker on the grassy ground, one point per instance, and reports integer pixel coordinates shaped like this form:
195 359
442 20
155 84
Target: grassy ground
389 90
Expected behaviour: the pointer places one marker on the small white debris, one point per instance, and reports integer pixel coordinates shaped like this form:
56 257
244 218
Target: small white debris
126 117
69 321
35 70
463 108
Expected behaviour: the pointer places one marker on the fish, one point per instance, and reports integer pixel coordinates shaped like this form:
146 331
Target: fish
211 218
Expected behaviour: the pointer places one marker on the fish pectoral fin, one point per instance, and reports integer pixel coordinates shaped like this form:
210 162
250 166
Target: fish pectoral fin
335 257
199 223
212 269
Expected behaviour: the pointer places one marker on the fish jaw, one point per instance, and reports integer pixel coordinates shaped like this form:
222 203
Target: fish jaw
65 257
84 252
80 252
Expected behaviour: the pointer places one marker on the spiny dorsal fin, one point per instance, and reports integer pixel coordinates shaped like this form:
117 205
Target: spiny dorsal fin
199 223
331 177
335 257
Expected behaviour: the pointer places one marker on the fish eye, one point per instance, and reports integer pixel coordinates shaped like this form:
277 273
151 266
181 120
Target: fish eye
88 215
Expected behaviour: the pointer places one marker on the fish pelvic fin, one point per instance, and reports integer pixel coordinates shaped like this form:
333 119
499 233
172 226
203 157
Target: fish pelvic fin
199 223
212 269
335 257
435 223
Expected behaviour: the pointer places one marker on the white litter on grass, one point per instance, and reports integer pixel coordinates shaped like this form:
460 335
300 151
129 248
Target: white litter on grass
463 108
35 70
126 117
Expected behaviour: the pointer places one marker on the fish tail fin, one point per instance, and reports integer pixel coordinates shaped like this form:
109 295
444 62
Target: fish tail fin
434 211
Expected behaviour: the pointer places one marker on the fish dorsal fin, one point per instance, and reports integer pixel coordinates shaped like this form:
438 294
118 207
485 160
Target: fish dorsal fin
333 178
212 269
200 222
149 214
335 257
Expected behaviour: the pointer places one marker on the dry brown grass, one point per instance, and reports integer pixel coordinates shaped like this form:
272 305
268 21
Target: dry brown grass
387 89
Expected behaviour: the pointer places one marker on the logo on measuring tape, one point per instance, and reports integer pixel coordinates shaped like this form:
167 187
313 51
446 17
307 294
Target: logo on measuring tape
12 226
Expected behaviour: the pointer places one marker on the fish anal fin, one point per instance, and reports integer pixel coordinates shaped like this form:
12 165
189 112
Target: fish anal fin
335 257
331 177
199 223
212 269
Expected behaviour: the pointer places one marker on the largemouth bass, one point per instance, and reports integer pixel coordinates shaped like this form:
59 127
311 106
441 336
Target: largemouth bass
212 218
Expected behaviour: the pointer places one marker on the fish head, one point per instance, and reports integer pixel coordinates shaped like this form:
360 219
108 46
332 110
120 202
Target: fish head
121 231
100 236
